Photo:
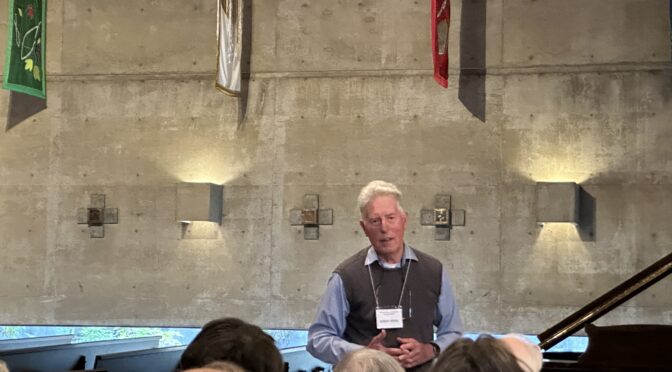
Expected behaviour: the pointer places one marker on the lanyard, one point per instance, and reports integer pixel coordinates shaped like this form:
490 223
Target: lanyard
401 295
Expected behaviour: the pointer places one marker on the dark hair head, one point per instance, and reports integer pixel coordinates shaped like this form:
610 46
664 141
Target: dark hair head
486 354
231 339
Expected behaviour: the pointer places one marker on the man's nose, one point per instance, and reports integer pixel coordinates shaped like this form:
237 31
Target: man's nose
383 225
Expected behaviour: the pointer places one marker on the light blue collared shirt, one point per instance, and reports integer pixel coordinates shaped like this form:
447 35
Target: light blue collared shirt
325 340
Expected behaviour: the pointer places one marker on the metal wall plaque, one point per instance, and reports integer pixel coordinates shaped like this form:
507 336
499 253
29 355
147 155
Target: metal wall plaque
442 217
311 217
97 216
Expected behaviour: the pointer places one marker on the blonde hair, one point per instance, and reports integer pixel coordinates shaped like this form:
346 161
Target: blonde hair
374 189
3 366
368 360
527 354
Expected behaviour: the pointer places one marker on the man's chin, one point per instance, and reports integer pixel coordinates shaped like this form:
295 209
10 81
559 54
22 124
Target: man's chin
387 247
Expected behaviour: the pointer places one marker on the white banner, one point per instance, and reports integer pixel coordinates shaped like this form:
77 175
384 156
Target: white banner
229 38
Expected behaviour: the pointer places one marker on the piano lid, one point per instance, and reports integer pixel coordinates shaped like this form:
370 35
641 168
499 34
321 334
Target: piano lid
605 303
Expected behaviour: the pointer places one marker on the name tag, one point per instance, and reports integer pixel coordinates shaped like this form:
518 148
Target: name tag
389 318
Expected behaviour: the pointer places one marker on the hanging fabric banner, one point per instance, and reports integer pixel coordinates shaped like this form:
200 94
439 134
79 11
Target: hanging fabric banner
26 43
229 38
440 24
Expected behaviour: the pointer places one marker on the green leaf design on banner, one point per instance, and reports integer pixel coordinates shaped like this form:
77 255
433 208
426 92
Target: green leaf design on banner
24 70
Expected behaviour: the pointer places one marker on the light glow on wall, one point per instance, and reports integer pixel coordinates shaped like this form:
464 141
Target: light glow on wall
205 166
560 156
554 232
557 170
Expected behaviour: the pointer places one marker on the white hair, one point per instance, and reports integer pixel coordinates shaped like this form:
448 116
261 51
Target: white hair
375 189
368 360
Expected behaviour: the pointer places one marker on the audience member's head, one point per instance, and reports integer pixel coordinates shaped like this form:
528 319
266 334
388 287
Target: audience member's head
368 360
3 367
218 367
528 354
233 340
489 354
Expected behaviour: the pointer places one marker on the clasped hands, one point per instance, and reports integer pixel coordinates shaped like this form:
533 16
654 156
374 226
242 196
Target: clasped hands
409 354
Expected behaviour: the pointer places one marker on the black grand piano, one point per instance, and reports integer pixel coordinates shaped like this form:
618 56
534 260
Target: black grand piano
634 347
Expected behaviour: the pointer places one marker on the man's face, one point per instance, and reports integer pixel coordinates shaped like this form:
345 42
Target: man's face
384 224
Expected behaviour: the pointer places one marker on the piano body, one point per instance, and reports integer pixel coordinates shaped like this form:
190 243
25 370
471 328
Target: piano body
635 347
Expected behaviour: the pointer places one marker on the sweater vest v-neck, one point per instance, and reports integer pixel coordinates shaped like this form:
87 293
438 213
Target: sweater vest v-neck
419 299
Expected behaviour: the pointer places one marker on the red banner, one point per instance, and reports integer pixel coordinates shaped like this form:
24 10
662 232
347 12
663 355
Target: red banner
440 25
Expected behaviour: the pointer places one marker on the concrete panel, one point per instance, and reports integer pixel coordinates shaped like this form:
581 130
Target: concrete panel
584 32
644 315
29 309
634 220
306 264
657 296
411 99
102 144
588 127
91 310
23 219
475 288
386 128
139 37
480 317
296 314
262 40
522 253
363 35
4 4
573 289
532 319
55 27
474 247
367 35
144 244
25 150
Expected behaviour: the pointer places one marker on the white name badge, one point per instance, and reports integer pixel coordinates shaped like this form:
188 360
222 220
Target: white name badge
389 318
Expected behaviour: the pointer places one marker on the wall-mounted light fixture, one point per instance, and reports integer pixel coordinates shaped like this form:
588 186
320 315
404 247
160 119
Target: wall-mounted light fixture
558 202
199 202
567 202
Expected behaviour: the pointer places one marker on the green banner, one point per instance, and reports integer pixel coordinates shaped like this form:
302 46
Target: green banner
26 43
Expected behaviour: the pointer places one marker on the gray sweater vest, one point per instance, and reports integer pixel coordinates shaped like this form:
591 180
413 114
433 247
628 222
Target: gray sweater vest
419 300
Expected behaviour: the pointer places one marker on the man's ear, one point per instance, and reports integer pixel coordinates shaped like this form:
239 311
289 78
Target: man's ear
361 224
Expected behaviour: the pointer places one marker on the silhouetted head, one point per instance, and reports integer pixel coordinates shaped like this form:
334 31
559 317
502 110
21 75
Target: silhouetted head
486 354
231 339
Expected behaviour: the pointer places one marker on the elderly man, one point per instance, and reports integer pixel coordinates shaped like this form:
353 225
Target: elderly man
388 296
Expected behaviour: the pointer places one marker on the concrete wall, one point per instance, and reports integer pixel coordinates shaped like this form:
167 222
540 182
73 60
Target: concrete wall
340 93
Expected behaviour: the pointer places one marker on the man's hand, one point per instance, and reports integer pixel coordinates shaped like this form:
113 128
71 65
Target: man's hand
414 352
377 343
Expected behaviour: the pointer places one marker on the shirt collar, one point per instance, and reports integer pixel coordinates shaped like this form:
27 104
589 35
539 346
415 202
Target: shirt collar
372 256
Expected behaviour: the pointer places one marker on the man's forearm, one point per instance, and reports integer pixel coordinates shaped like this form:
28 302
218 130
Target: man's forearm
444 340
330 349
